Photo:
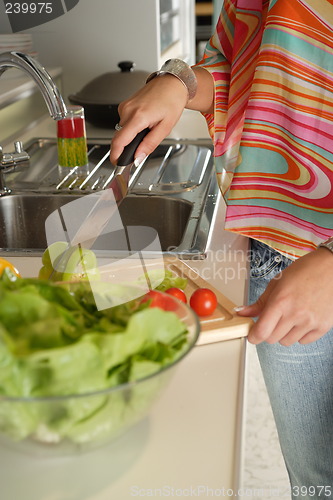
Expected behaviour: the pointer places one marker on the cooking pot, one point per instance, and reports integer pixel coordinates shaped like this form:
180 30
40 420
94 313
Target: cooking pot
102 96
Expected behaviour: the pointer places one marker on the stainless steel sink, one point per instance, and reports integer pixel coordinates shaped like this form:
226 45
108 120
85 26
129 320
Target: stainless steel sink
22 219
175 194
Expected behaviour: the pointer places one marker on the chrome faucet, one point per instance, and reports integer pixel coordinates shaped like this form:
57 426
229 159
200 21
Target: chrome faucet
51 94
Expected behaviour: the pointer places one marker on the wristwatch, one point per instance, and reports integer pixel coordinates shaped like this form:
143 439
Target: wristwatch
180 70
327 244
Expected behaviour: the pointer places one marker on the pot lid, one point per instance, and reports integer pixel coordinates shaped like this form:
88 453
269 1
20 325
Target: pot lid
113 87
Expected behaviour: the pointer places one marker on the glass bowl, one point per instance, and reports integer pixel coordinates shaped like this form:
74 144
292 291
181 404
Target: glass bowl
60 425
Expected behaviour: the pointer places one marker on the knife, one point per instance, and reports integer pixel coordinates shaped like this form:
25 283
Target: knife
119 183
108 200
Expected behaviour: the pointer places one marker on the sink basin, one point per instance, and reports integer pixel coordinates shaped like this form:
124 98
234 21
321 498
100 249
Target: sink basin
175 195
22 218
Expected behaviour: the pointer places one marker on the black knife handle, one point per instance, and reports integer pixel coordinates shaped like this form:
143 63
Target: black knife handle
127 156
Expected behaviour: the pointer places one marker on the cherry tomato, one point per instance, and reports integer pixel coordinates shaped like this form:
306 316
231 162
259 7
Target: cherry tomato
158 299
203 301
177 292
5 263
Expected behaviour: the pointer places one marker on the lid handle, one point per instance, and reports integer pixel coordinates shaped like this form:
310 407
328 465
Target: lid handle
126 66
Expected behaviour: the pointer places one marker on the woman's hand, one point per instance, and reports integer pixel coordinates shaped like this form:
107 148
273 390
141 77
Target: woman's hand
158 106
297 305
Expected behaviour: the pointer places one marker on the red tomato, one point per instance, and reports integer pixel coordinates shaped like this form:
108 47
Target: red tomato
177 292
160 300
203 301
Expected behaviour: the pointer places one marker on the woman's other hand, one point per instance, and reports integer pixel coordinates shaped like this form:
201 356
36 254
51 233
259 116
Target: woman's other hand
296 305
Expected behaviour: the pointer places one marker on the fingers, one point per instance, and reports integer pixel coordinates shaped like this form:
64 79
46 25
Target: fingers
251 311
147 145
153 139
284 332
122 138
296 307
157 106
312 336
280 321
256 309
281 324
276 323
264 327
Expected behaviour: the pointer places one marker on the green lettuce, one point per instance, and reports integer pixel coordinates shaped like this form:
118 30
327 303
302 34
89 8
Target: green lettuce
54 342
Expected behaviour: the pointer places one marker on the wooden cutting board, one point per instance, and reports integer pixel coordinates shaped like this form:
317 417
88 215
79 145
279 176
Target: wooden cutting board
224 323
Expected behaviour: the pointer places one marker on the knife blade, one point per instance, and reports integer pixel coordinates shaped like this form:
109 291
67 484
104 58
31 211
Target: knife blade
108 200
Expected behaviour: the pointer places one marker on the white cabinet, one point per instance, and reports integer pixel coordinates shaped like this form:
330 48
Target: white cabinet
177 30
94 37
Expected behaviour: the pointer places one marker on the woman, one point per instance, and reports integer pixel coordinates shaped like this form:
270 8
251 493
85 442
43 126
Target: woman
265 87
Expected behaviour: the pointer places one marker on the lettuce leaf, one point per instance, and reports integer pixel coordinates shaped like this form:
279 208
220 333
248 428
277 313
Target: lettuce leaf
54 342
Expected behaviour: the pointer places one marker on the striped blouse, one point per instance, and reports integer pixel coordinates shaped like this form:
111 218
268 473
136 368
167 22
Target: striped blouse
272 127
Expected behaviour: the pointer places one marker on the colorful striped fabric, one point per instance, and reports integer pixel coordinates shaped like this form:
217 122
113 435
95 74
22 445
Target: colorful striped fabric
272 63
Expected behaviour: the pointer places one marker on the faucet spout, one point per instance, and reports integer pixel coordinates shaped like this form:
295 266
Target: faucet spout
38 73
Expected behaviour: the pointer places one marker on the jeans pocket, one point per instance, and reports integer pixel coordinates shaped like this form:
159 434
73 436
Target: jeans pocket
266 262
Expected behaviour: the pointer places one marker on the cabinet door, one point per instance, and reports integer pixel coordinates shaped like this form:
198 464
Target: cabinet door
177 30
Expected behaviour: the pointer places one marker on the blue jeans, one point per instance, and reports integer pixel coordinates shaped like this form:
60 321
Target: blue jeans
299 381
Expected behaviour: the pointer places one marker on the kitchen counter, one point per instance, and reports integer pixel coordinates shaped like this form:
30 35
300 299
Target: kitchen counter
190 444
191 440
187 442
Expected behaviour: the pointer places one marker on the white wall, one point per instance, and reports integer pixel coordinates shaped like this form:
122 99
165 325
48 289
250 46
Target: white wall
94 36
